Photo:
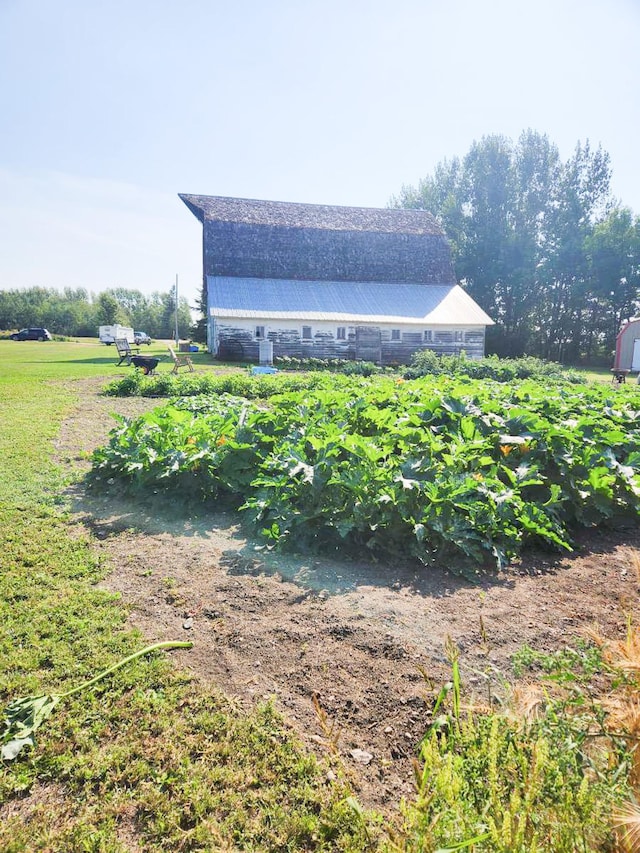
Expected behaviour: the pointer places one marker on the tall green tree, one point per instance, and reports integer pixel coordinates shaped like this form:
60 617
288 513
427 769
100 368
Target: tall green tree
535 164
613 252
133 303
109 310
519 221
580 197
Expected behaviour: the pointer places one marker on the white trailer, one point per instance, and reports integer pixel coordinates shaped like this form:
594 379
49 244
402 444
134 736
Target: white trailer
110 334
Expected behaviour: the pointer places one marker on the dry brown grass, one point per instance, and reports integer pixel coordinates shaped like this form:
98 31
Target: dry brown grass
623 713
626 820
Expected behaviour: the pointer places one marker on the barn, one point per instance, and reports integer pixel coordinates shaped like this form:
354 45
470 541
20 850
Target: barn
325 281
627 355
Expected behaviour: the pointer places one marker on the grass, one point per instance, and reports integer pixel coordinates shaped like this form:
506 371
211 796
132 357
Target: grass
550 771
599 374
150 761
86 357
147 760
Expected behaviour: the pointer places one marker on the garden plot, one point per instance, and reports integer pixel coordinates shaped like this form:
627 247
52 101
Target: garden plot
274 626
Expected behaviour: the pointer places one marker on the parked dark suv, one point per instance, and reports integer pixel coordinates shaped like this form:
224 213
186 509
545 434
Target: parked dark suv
31 335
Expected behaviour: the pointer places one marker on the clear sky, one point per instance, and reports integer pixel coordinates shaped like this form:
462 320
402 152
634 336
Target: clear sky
110 108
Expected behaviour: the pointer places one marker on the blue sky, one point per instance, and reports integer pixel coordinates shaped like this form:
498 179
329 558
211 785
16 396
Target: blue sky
110 109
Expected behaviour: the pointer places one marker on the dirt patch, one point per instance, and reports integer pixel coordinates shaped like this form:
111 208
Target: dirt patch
350 651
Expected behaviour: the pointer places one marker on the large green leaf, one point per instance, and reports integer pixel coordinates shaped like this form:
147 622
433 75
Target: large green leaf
24 716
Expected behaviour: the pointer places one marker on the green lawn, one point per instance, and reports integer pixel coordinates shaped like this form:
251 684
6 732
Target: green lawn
150 761
83 357
146 760
599 374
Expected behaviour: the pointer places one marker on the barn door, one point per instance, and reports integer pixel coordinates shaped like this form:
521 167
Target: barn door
635 361
368 344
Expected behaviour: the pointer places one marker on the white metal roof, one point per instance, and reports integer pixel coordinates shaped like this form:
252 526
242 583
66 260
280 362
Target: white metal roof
340 301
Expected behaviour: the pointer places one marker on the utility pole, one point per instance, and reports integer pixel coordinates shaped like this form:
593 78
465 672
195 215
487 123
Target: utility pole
177 332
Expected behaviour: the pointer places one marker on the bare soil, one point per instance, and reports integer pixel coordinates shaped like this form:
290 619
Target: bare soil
352 652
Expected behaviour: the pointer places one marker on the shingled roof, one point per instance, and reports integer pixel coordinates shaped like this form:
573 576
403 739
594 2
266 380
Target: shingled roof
248 238
322 216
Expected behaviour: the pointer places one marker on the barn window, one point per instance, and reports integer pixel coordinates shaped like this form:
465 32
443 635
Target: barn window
259 331
428 336
341 333
395 334
458 336
306 333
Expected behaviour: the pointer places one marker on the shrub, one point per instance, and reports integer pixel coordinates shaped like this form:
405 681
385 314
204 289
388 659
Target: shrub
243 384
349 367
429 363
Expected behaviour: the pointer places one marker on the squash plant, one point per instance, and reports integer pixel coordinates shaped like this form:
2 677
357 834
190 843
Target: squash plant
431 468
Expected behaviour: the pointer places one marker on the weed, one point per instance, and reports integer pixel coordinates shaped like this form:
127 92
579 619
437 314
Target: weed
429 363
510 784
24 716
330 731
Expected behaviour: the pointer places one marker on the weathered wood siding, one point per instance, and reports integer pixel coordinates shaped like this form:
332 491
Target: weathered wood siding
236 340
264 251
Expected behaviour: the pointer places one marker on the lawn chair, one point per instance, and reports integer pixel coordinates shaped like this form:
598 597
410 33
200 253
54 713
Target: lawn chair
180 360
125 350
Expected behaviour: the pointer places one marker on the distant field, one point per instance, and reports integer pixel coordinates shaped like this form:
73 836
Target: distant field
601 374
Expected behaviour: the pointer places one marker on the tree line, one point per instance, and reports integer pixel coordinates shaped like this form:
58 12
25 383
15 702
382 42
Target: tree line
77 313
539 243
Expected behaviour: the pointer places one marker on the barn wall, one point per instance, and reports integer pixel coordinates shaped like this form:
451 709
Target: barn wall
624 345
236 340
266 251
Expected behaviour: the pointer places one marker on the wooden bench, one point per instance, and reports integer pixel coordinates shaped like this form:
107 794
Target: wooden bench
125 350
180 360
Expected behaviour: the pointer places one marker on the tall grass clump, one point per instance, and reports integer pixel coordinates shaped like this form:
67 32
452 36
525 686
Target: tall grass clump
545 774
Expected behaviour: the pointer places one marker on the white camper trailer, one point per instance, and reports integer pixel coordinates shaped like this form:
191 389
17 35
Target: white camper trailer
109 334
